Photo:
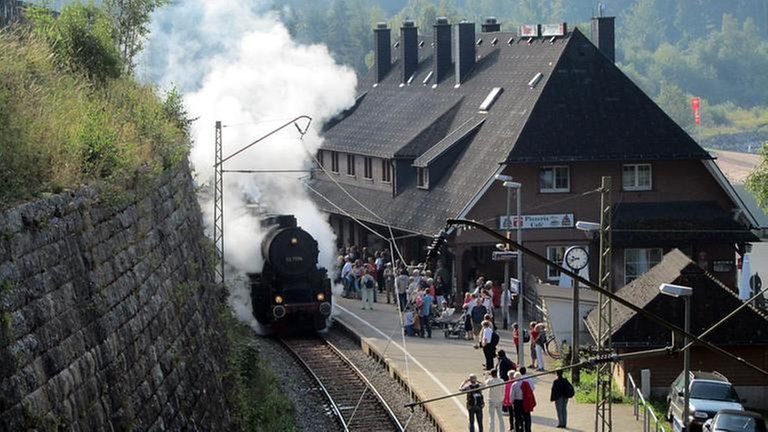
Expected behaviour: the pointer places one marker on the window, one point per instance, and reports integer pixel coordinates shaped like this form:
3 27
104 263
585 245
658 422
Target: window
636 177
335 162
639 261
320 158
386 171
554 179
368 168
350 165
555 253
422 178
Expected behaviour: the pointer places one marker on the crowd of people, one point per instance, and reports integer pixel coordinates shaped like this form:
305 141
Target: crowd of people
423 294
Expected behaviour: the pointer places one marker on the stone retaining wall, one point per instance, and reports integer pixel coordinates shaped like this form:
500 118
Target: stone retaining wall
108 318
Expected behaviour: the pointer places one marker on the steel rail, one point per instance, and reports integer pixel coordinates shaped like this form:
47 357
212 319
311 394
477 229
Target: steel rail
640 311
326 393
362 378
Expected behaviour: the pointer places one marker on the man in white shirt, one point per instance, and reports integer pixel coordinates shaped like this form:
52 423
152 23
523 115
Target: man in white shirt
345 273
505 303
489 349
495 400
401 286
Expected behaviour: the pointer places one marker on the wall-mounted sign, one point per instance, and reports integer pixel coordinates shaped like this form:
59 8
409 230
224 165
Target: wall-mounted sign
722 266
503 255
563 220
528 30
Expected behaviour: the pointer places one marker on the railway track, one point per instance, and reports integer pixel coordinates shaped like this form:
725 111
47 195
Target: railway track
350 396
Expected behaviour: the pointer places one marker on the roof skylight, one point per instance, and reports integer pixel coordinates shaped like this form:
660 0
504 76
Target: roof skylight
491 98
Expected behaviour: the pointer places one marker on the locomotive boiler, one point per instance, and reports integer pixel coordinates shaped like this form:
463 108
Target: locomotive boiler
291 292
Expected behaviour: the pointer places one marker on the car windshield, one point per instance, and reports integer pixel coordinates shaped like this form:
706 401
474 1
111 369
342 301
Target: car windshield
737 423
713 391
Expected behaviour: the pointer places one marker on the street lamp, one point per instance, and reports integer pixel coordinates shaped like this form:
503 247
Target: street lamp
509 184
684 292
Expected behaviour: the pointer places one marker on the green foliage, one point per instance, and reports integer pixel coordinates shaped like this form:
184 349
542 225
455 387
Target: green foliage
757 182
259 404
82 38
586 389
60 129
131 20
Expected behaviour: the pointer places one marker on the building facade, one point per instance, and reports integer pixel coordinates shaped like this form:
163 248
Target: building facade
440 115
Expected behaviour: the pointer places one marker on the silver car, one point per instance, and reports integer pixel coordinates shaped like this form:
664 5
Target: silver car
710 392
735 421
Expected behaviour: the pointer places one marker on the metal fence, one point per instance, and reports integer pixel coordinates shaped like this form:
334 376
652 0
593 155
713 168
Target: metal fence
10 12
641 408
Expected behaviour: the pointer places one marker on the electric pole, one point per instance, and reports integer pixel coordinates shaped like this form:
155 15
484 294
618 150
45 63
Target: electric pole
604 370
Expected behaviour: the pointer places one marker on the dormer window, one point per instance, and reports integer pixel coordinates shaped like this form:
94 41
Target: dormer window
422 178
368 168
335 162
351 165
386 171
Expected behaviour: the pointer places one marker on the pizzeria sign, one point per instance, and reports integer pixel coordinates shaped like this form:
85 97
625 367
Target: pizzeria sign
563 220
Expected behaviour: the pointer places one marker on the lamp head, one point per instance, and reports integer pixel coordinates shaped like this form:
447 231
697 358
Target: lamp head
512 185
675 290
503 178
587 226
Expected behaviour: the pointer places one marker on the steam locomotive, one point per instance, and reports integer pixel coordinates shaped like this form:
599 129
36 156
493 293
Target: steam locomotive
291 293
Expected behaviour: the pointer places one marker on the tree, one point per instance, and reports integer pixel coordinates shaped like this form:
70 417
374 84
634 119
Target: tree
131 24
757 182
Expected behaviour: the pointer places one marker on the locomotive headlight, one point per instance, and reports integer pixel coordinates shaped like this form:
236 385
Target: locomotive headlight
279 299
294 241
321 297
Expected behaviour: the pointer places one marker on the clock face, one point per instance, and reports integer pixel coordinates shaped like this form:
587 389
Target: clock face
576 257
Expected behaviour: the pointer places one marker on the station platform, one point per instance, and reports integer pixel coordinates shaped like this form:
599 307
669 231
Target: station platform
437 366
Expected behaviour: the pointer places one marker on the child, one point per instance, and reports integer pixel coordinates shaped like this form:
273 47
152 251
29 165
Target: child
408 322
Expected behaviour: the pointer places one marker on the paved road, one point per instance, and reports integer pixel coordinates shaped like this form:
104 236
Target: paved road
437 366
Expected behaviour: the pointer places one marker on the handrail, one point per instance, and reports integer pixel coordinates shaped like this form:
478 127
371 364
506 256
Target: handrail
636 395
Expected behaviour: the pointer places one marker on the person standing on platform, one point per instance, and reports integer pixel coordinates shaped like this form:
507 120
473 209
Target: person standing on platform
515 336
562 390
505 301
504 365
540 341
495 401
508 398
389 282
368 284
401 286
487 342
534 337
475 403
425 314
477 312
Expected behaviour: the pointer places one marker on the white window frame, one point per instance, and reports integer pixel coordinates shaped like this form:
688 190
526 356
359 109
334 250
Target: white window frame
422 178
553 274
368 168
334 162
636 177
386 171
554 188
630 278
350 165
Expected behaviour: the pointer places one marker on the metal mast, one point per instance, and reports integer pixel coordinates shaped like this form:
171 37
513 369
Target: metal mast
218 207
604 370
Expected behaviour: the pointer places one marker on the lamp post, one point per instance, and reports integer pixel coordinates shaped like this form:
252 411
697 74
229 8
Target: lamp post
684 292
588 228
509 184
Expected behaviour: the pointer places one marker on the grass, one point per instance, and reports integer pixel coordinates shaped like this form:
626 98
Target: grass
258 401
586 389
60 130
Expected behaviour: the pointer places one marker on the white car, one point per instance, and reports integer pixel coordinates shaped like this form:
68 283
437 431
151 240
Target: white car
710 392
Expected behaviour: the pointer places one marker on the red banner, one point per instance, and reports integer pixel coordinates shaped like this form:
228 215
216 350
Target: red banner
695 104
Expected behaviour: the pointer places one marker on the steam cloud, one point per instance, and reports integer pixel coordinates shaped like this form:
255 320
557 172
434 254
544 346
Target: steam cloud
236 63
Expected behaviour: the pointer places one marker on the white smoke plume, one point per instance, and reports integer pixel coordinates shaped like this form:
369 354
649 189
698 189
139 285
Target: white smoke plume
236 63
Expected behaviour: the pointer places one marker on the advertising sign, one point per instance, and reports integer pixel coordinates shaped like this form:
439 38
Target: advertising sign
545 221
529 30
696 105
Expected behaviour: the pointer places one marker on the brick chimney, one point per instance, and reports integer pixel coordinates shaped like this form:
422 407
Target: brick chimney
490 25
382 50
603 35
442 52
465 50
409 49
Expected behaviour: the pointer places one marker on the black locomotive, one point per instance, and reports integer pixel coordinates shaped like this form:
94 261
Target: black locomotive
291 292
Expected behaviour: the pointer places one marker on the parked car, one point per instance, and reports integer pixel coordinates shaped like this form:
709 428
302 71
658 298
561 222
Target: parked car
710 392
735 421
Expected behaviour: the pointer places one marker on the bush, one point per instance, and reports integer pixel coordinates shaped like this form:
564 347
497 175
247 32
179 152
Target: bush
59 129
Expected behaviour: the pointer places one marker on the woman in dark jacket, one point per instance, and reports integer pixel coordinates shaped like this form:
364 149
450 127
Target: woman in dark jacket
562 390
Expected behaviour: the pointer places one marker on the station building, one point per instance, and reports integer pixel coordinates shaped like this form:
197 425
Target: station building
440 114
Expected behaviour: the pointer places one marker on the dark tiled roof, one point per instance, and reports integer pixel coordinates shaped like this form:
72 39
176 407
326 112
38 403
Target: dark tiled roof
710 302
590 110
547 121
670 223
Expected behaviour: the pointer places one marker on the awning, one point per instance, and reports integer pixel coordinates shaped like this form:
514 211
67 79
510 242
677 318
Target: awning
673 223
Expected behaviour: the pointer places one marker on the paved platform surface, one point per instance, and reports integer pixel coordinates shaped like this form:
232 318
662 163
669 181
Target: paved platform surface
437 366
